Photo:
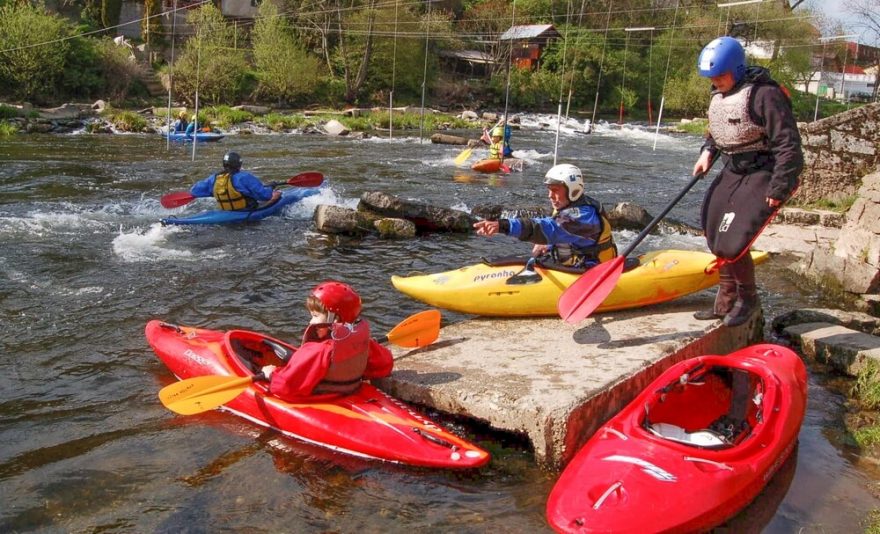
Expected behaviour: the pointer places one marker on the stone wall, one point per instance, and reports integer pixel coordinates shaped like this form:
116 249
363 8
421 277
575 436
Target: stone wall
854 259
839 150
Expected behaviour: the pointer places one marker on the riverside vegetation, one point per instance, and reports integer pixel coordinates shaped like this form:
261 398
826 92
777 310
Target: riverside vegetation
295 56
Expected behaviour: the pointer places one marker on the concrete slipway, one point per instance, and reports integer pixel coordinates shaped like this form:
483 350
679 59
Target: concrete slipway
553 382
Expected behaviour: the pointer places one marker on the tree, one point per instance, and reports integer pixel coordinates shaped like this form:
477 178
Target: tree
210 63
29 68
284 70
868 14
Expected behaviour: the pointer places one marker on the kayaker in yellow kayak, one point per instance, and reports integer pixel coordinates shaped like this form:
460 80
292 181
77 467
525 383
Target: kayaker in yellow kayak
577 234
337 351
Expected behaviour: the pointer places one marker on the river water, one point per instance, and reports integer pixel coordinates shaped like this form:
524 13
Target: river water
85 445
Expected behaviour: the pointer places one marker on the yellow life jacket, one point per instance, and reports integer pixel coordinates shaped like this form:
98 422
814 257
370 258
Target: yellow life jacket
227 195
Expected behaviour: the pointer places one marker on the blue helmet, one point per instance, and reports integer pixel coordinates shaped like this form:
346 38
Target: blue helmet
722 55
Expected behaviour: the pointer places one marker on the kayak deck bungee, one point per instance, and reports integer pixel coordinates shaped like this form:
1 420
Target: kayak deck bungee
484 289
368 423
288 197
691 450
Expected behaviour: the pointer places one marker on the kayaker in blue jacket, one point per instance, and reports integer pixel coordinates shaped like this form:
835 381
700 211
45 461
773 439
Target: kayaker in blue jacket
180 124
192 127
577 234
233 188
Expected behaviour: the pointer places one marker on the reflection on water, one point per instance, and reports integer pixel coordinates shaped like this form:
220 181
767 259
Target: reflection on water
86 445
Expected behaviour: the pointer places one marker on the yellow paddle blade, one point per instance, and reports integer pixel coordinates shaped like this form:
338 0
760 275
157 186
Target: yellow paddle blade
465 154
417 330
202 393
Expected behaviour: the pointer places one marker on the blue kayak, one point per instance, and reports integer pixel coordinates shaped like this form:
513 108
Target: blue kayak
288 196
206 137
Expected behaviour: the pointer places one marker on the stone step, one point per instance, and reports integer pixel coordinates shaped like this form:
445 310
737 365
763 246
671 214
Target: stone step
847 351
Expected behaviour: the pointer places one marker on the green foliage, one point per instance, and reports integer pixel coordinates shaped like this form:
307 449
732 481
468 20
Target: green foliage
82 75
695 127
866 436
872 525
284 70
687 95
127 121
528 89
224 116
210 63
8 112
867 387
278 122
7 128
840 203
31 72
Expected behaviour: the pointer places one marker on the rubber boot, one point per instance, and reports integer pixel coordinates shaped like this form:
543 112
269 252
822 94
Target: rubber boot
746 292
724 299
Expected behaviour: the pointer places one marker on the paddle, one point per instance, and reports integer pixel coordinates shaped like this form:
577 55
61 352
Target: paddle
304 179
202 393
465 154
582 297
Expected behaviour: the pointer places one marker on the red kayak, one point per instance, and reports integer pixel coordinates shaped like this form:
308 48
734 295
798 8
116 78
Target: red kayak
367 423
695 447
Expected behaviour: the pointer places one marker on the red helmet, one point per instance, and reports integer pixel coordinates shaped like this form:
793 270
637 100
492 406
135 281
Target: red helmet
339 299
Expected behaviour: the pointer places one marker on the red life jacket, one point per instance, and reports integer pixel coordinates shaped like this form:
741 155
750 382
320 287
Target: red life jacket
348 361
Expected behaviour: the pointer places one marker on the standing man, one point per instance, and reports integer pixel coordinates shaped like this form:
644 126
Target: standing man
751 124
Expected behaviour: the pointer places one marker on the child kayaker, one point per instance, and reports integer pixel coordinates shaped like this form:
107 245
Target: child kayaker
337 352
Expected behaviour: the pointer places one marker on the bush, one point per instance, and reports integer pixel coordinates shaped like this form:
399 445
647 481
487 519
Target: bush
224 116
7 128
8 112
127 121
278 122
31 72
284 70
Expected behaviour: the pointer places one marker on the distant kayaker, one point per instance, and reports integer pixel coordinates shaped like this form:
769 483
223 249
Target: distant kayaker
499 141
181 123
192 127
752 125
337 352
577 234
233 188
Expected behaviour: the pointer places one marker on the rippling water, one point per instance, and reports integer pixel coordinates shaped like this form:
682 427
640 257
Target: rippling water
86 446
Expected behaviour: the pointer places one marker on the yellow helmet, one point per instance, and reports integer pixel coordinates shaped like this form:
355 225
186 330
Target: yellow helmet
181 115
498 131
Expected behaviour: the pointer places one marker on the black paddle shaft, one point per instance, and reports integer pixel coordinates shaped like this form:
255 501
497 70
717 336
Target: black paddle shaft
645 231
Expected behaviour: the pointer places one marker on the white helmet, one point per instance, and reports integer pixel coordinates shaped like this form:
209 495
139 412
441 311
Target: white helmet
569 176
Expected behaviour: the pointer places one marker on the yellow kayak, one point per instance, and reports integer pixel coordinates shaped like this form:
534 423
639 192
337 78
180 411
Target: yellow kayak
483 289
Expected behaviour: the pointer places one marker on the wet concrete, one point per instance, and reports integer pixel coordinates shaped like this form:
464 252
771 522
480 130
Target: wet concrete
552 382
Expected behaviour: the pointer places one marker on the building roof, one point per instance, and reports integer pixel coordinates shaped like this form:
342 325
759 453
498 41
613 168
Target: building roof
472 56
529 31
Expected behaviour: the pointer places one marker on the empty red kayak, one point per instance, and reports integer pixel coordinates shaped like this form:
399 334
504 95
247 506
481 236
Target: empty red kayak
367 423
695 447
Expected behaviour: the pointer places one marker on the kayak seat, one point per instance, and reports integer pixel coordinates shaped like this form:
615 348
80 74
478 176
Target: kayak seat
631 263
706 438
247 355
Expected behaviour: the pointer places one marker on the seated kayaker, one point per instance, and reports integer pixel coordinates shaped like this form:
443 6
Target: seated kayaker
180 124
498 141
337 352
233 188
577 234
192 127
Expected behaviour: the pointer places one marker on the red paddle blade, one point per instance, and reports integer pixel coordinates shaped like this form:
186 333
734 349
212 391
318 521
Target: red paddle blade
174 200
306 179
505 168
582 297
